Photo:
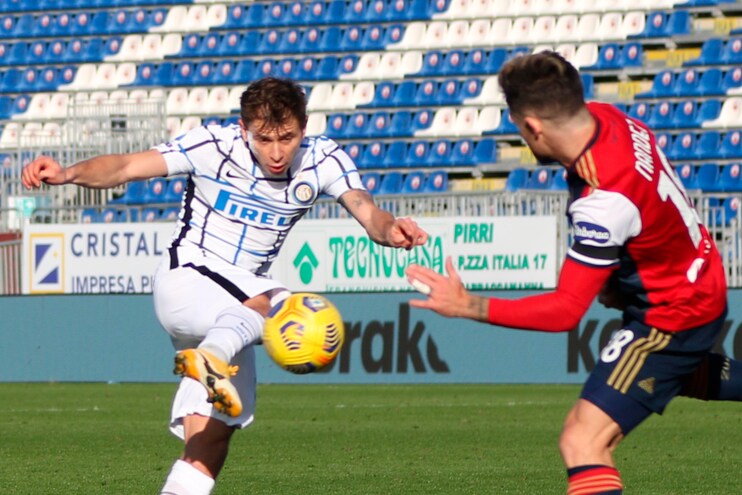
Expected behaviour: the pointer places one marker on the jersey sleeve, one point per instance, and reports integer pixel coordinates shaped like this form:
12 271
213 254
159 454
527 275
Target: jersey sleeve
602 223
339 173
184 153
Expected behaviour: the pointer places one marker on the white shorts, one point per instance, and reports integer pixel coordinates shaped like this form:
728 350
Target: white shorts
187 300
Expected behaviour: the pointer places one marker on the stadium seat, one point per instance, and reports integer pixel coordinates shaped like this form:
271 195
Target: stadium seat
540 178
175 189
684 114
707 178
683 147
439 154
170 213
687 83
462 153
391 183
336 124
559 180
708 111
517 179
730 179
661 116
414 183
730 210
732 81
506 124
687 175
732 53
155 191
374 154
711 53
663 85
632 55
707 145
417 154
731 145
371 181
485 152
640 111
436 182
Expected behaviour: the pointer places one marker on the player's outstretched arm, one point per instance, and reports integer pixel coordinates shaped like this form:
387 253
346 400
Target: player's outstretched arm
99 172
381 225
557 311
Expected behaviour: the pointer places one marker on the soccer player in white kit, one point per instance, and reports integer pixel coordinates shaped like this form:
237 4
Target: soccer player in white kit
248 184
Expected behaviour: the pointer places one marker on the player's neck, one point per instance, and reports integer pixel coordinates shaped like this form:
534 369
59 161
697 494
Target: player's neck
572 138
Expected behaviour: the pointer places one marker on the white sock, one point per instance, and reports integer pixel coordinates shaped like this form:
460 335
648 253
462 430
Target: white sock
235 328
184 479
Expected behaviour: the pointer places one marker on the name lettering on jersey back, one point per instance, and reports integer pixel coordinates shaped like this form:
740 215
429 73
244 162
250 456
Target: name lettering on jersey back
244 208
642 150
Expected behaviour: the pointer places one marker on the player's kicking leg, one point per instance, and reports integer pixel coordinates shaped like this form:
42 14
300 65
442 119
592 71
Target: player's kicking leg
717 378
214 374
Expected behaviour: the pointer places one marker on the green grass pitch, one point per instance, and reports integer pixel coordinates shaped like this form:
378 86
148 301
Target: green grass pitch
353 439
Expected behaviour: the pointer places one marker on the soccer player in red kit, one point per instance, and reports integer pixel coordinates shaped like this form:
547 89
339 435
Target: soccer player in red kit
639 245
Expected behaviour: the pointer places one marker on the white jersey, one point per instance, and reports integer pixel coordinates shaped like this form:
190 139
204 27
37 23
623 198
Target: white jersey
233 210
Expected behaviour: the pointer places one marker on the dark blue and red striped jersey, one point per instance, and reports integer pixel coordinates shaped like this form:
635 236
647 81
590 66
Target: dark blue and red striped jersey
630 212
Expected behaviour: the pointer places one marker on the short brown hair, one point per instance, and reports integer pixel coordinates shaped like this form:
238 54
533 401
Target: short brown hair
274 101
543 83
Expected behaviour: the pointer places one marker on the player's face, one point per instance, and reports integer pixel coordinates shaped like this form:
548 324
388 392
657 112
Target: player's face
274 147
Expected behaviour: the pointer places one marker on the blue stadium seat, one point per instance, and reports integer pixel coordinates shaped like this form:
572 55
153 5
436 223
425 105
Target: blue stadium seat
6 108
355 12
559 180
663 85
707 145
379 125
661 116
404 93
400 124
517 179
17 54
89 215
711 53
708 110
683 147
266 67
632 55
133 194
357 126
275 14
91 23
687 83
351 39
541 178
687 175
78 50
710 83
54 51
336 124
588 85
640 111
409 10
373 38
439 154
476 61
655 26
436 182
307 68
732 79
371 181
432 64
170 214
448 93
391 183
393 34
311 41
355 152
422 119
485 151
732 54
417 154
609 58
462 153
707 178
375 154
334 13
330 40
347 65
414 183
383 95
110 215
225 72
249 43
230 44
470 88
679 23
328 68
730 210
175 189
506 124
155 191
270 42
454 63
684 114
291 42
664 141
730 179
731 145
426 94
236 16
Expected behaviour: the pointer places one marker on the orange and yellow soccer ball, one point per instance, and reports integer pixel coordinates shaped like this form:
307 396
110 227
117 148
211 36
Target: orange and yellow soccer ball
303 333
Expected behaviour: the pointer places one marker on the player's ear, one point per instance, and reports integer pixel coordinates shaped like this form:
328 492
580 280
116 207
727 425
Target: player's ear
243 127
533 126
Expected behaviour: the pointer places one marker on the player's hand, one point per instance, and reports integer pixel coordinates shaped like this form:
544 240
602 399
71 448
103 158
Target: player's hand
447 295
405 233
43 169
